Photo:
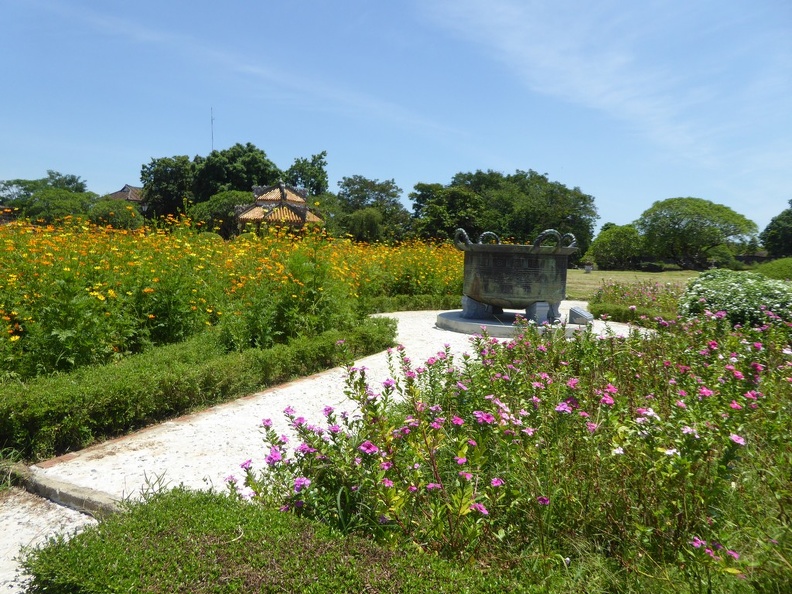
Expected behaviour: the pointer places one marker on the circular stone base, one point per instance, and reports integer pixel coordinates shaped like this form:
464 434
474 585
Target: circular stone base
497 326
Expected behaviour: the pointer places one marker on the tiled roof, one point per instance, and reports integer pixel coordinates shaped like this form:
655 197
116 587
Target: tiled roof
131 193
279 193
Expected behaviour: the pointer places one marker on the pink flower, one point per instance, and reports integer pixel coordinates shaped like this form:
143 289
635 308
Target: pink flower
563 408
529 431
592 427
433 486
611 389
681 404
460 460
483 417
542 500
274 456
458 421
737 439
479 508
386 465
266 422
572 383
368 448
606 399
387 482
496 482
705 391
301 483
465 475
412 488
246 464
735 405
327 411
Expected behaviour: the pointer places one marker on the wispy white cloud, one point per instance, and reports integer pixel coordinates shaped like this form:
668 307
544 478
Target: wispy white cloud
258 73
604 56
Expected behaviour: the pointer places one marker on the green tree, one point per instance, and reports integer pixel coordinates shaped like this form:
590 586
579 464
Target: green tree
118 214
777 236
358 193
310 174
55 204
217 213
518 206
167 185
439 211
20 193
239 167
684 230
617 247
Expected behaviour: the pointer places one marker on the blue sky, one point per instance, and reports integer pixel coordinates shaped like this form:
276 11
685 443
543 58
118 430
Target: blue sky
632 102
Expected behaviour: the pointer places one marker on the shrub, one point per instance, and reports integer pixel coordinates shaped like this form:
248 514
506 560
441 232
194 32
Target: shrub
637 302
53 415
636 448
778 269
182 541
744 297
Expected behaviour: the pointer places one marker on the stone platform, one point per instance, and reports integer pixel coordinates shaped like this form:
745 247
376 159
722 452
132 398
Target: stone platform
497 325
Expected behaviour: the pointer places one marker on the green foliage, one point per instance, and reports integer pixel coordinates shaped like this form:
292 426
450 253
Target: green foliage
310 174
778 269
21 190
182 541
49 199
616 248
239 167
217 213
439 210
517 207
684 230
777 236
372 210
53 415
742 297
649 449
167 185
642 303
117 214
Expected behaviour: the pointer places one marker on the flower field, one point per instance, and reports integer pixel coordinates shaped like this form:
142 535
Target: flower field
77 295
665 457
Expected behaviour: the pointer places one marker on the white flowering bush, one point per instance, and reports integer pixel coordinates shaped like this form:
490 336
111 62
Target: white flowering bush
747 298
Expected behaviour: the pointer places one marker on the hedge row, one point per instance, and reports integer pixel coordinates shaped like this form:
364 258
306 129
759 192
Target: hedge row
54 415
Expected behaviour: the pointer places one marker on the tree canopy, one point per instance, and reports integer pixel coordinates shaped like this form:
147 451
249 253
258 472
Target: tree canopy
517 206
777 236
47 199
617 247
358 193
171 184
684 230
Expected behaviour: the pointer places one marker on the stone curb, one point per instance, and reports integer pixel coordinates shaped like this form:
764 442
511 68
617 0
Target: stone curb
88 501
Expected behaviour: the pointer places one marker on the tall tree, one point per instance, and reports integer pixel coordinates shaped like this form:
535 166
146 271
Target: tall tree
310 174
167 185
617 247
685 229
19 190
517 206
777 236
239 167
358 193
439 211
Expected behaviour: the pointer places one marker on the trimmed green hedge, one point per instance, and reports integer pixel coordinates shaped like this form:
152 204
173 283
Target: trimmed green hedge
184 541
51 416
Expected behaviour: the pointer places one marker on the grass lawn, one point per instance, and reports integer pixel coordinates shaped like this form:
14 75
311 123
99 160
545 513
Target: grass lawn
582 286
